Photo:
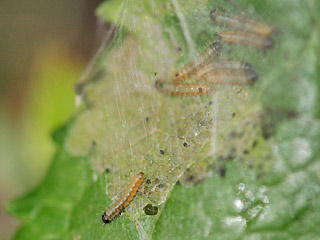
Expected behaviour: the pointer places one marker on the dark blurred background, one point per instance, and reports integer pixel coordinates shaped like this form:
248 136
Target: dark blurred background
44 47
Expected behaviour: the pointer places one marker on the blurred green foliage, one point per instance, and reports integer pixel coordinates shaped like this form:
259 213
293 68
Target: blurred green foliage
49 101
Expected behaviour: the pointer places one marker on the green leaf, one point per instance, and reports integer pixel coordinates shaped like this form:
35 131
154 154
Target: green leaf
239 207
246 158
46 210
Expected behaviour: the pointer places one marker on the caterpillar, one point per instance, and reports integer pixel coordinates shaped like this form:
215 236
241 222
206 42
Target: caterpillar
246 38
224 64
126 197
182 89
232 64
241 23
228 76
228 72
190 69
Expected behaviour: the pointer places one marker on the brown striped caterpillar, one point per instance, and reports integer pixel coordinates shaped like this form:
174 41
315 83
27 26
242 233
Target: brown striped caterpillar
241 23
234 64
223 65
228 72
246 38
182 89
190 69
126 197
229 76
